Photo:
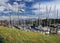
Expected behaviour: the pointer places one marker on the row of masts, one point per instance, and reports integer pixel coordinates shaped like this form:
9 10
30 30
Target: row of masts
40 19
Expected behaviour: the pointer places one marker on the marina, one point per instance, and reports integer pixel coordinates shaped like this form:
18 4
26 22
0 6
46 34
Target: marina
19 20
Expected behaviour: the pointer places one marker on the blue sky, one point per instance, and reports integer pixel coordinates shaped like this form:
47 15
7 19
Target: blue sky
29 8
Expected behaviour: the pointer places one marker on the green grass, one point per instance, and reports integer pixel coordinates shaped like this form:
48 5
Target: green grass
10 35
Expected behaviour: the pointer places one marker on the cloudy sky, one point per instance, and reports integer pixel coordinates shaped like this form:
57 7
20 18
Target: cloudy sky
29 8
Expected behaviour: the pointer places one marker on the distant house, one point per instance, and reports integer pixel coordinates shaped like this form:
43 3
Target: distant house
3 23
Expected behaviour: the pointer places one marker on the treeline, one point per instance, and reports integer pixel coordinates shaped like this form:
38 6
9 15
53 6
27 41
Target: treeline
43 22
50 21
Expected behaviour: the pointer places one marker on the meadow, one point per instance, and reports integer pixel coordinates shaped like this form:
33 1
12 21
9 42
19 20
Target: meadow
13 35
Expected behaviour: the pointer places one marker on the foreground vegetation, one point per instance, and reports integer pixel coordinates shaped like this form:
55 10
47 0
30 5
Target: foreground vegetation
10 35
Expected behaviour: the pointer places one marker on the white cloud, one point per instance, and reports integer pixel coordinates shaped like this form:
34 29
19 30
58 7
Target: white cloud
3 5
49 5
14 7
2 8
3 2
26 0
16 17
18 0
22 5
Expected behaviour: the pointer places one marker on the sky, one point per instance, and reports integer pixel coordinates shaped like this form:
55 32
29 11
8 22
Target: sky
29 9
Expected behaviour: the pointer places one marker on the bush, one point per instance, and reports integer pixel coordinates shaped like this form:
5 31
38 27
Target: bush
1 39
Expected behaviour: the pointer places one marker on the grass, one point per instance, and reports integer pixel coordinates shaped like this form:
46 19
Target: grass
10 35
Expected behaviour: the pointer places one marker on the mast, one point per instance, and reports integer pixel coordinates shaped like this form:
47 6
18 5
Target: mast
39 15
32 21
9 17
15 6
24 14
55 12
57 17
18 12
46 15
50 20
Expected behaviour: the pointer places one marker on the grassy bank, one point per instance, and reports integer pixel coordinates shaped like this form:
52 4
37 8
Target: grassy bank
9 35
